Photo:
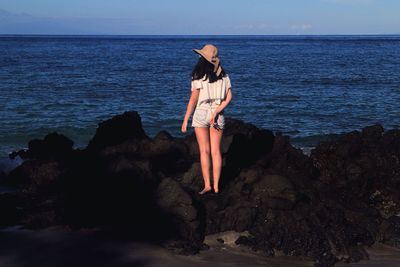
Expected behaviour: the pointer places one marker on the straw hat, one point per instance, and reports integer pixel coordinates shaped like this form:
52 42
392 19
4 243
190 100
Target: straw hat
210 53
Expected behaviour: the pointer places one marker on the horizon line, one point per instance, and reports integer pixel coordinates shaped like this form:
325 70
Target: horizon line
92 34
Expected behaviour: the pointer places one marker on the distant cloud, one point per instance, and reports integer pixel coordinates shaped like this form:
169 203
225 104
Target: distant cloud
302 27
350 1
253 26
4 13
12 23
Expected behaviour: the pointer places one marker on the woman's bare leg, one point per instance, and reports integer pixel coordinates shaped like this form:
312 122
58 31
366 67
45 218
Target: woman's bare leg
203 139
215 138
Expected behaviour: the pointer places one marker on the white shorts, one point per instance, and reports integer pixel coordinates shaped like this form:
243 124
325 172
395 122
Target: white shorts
202 116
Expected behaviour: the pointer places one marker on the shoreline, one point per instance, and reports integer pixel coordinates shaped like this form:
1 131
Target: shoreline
60 246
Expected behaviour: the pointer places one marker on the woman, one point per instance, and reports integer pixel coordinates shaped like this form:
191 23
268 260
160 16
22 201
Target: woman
211 93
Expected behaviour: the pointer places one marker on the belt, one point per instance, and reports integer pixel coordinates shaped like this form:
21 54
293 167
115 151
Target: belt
218 101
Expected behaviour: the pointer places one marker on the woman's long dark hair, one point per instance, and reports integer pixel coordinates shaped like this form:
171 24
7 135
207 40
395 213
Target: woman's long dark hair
203 67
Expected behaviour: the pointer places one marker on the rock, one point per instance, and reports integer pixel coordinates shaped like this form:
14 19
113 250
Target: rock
168 155
193 178
2 176
35 176
227 238
280 199
372 133
327 206
245 240
41 219
243 144
204 247
116 191
363 166
179 207
10 204
290 162
386 204
391 231
53 146
275 191
116 130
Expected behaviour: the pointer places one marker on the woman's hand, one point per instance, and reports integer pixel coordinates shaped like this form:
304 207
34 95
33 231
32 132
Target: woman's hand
184 126
214 119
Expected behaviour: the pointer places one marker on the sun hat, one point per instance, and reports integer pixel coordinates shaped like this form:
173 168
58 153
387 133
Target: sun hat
210 53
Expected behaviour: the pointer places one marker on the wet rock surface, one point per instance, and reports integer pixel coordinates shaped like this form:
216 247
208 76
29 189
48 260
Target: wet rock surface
328 206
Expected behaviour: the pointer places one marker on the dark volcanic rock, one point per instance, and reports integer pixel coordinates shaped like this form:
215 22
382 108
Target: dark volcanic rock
120 128
35 176
390 230
326 206
193 178
179 206
10 206
243 144
2 176
168 155
364 168
53 146
290 162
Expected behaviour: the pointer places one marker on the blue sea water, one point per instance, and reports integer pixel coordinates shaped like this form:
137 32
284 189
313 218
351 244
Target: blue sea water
307 87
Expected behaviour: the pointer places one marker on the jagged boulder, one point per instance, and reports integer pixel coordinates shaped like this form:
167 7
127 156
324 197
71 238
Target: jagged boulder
179 206
36 176
193 178
53 146
364 167
120 128
390 231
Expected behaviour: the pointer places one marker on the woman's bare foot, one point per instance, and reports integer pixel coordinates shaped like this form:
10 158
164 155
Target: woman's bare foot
205 190
216 190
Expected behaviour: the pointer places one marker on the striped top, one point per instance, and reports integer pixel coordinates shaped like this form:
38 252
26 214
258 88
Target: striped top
216 91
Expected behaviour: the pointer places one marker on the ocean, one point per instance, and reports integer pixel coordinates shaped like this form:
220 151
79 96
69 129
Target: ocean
307 87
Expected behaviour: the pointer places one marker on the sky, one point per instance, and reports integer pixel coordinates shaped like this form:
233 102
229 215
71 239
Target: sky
206 17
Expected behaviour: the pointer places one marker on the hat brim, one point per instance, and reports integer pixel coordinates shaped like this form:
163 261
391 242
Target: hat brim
219 69
198 51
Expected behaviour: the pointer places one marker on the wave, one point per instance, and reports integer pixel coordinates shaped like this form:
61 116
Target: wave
312 140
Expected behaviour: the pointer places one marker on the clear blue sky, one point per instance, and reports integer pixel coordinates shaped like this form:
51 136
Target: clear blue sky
200 17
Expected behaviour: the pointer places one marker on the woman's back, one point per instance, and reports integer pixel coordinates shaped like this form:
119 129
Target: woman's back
216 91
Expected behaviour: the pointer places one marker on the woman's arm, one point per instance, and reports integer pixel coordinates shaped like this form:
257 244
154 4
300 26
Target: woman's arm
224 102
190 107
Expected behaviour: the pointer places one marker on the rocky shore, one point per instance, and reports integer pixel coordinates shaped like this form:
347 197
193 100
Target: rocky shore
328 206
